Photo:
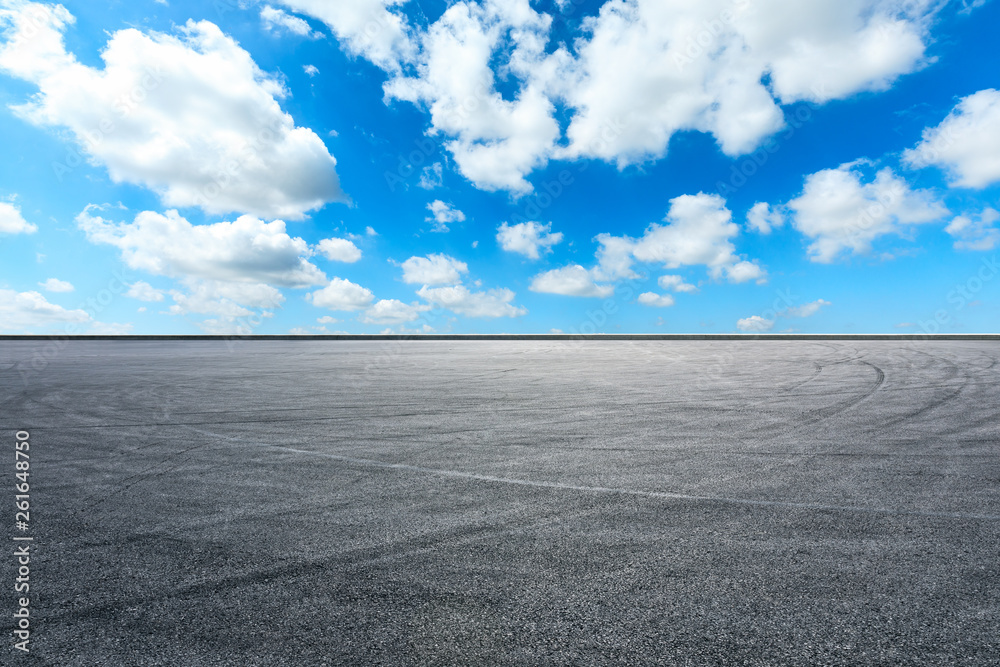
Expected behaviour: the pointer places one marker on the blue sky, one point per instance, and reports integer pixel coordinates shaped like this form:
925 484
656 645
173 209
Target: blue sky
500 166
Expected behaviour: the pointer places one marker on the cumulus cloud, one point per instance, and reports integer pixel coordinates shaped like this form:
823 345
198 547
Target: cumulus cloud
367 28
975 232
656 300
12 222
704 65
56 285
227 300
766 322
393 311
840 213
28 312
245 250
143 291
699 230
436 269
443 214
228 269
530 239
762 218
341 294
966 143
755 323
191 116
675 283
805 310
339 250
431 177
571 280
495 139
459 299
278 20
483 72
310 70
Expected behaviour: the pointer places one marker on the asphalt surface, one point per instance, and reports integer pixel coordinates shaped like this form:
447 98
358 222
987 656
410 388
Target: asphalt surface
507 502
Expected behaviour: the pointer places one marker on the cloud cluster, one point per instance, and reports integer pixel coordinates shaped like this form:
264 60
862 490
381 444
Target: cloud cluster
966 143
339 250
978 232
393 311
433 269
698 231
440 277
245 250
56 285
494 88
530 239
29 312
12 222
459 299
229 269
341 294
573 280
277 20
766 322
443 214
840 212
192 117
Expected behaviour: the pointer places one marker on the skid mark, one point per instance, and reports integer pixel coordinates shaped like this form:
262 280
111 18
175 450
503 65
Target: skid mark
665 495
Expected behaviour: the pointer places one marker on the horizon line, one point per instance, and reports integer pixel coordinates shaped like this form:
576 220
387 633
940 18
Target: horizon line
527 336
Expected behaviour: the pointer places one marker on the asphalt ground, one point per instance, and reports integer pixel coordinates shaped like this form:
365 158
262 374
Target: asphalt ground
506 502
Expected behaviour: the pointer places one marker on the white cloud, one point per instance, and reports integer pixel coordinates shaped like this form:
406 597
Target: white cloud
143 291
457 298
11 221
367 28
311 70
370 231
976 233
393 311
743 271
28 312
226 268
656 300
805 310
110 329
571 280
56 285
966 143
530 239
840 213
676 284
495 139
436 269
699 230
228 301
762 218
341 294
431 177
326 319
443 214
191 117
755 323
716 66
703 66
278 20
245 250
339 250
